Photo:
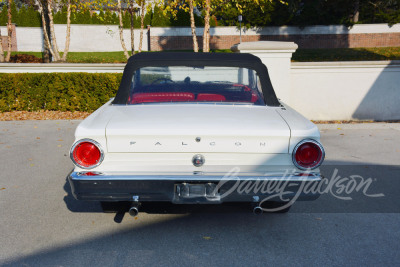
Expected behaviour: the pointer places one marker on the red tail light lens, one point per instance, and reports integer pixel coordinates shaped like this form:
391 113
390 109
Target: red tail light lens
308 154
86 154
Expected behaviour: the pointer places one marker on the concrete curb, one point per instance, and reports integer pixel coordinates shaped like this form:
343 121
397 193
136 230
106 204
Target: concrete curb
360 126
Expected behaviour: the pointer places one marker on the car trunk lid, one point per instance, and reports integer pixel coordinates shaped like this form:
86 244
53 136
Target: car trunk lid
196 128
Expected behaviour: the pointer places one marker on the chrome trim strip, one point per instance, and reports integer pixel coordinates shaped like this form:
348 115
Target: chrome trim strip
188 178
90 141
193 103
307 141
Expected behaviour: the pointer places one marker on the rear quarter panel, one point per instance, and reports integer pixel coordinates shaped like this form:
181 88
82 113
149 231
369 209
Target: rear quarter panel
300 127
94 126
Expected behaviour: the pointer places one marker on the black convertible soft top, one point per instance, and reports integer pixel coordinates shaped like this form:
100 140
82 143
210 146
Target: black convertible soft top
191 59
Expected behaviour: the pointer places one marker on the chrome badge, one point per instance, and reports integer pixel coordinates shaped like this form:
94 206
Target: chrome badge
198 160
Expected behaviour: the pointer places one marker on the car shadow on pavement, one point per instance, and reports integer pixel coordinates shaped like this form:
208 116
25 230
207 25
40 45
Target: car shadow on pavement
78 206
186 238
347 188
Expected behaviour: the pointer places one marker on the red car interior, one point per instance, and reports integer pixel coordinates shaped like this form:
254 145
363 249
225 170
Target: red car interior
161 97
254 96
154 97
210 97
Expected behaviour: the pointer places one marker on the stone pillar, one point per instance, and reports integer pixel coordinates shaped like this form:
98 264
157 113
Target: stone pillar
276 56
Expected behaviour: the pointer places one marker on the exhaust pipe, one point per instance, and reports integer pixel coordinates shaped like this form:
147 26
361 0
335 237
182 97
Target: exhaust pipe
257 210
134 209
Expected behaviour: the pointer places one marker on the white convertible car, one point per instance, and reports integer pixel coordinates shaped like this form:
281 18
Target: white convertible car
196 128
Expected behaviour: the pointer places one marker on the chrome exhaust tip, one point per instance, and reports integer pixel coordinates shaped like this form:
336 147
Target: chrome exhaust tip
134 211
257 210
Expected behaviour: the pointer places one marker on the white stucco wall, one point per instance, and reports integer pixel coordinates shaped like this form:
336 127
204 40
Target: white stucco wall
84 38
3 30
346 90
98 38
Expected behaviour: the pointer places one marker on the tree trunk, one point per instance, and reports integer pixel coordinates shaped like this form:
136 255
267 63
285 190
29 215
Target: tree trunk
193 26
131 11
141 25
1 49
356 14
52 31
121 30
9 30
47 56
45 25
206 34
68 37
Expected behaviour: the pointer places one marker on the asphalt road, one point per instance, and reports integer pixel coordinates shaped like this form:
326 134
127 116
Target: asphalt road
42 225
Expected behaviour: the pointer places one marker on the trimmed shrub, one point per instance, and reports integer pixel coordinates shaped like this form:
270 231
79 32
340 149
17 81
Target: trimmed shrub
56 91
33 18
147 18
3 16
61 16
159 18
82 17
126 18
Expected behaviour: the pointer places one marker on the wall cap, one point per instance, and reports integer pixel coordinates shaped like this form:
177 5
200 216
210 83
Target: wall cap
264 45
347 64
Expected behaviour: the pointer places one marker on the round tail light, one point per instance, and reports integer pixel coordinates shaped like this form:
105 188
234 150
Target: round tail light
86 154
308 154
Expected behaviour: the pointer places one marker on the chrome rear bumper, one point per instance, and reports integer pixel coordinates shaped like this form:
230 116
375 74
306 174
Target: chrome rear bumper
176 188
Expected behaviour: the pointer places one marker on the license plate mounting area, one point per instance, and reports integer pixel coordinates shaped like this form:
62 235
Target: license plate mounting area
201 193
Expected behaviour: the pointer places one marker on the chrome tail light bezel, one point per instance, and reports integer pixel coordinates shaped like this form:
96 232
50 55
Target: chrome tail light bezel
322 151
95 143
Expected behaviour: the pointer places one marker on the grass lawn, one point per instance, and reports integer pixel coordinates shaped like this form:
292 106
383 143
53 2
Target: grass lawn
103 57
87 57
301 55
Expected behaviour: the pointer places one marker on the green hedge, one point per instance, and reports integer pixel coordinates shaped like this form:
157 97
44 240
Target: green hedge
56 91
29 17
267 13
24 16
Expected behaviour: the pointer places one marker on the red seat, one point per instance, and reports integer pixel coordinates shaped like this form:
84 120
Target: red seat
161 97
210 97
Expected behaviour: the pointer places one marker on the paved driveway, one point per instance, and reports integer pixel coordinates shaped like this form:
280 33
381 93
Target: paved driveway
42 225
